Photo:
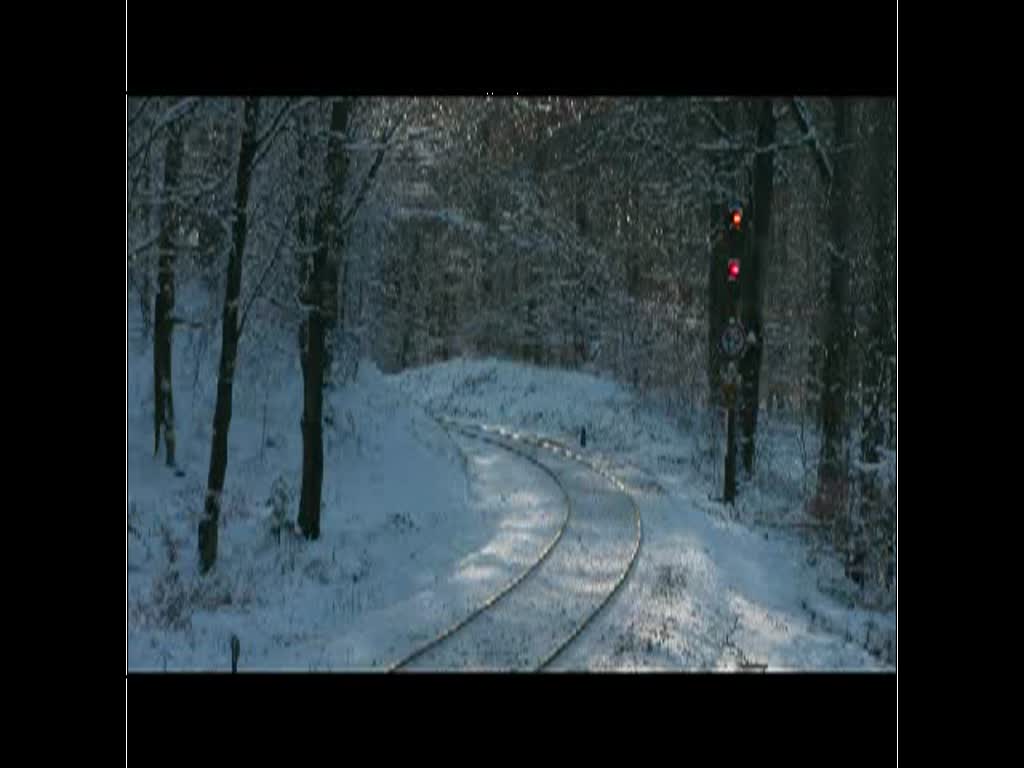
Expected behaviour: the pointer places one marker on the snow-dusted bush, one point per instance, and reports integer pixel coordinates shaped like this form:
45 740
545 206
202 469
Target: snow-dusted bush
280 501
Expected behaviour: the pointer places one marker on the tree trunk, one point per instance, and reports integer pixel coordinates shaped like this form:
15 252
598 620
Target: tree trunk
890 358
891 436
229 344
312 339
717 300
333 267
321 299
877 369
876 363
729 485
163 396
831 490
146 280
752 280
722 168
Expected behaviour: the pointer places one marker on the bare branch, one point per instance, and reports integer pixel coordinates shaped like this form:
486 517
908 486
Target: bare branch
368 180
266 272
266 141
145 246
716 123
142 108
173 114
803 117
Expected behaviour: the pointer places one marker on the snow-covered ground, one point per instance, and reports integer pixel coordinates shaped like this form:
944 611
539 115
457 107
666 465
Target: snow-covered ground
397 511
421 525
711 590
531 625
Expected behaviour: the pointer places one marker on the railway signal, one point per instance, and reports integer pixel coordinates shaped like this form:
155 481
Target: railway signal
735 237
733 338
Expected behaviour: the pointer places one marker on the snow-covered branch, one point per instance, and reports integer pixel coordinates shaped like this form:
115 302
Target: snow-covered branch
803 117
266 272
266 141
368 179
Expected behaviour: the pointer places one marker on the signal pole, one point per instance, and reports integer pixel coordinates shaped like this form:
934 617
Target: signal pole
733 340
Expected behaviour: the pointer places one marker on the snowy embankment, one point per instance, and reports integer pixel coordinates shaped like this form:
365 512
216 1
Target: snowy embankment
710 590
397 511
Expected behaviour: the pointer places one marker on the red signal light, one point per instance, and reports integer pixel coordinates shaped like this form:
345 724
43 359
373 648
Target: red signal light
734 269
737 218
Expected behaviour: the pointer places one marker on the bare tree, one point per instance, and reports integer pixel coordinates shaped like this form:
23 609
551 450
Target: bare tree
320 279
753 279
163 392
831 491
229 341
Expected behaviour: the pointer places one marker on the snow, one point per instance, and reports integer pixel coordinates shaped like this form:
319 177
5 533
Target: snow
711 590
529 625
422 525
395 491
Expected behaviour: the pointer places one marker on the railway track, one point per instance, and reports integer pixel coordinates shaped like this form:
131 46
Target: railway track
564 569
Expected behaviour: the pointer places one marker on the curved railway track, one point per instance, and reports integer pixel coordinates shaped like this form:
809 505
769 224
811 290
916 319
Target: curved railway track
518 587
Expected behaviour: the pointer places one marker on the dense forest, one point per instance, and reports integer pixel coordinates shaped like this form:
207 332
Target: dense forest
579 233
